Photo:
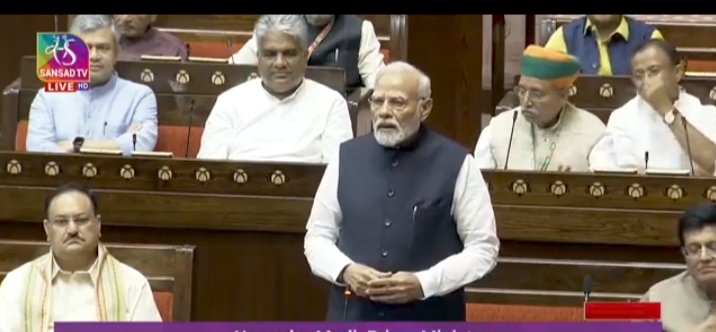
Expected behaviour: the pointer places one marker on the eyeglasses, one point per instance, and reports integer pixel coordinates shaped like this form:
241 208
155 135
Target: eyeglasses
532 93
695 249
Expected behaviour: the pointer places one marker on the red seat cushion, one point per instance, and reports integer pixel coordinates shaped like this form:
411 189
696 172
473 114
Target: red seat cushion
165 304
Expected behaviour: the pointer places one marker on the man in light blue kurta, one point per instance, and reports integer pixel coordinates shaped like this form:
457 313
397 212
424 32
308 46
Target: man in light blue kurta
115 114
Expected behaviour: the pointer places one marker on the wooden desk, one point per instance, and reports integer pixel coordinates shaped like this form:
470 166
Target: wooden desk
247 222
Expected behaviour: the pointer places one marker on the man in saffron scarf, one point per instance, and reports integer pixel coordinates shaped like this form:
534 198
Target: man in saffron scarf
78 280
546 132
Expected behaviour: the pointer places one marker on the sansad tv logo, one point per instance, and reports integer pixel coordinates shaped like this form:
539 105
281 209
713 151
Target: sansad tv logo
62 62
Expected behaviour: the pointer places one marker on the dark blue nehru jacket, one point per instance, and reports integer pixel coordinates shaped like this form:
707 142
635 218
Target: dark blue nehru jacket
396 206
339 48
583 45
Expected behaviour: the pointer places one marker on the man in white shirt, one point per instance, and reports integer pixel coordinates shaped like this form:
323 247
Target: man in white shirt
344 41
78 280
656 128
410 221
546 132
283 116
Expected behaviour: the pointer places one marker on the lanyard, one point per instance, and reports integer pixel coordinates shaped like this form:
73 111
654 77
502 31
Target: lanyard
319 39
552 146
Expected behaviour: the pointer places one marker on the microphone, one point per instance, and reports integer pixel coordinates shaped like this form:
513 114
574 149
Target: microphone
509 144
188 134
646 160
230 46
347 293
104 128
57 23
134 142
188 50
688 145
588 285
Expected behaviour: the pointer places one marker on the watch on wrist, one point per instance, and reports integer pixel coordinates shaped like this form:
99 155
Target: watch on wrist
77 144
670 117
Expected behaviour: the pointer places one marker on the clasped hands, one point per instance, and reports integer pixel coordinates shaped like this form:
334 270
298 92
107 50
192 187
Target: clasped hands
386 287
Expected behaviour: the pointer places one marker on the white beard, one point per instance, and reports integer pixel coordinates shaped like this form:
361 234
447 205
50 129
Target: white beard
392 137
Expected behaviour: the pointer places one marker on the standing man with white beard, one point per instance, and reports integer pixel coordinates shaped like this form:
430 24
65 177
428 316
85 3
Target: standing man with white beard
342 41
402 218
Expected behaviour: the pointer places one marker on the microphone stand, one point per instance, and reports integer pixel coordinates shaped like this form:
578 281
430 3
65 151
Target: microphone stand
509 144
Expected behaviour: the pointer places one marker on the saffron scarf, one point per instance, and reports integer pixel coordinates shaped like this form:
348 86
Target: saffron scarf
38 295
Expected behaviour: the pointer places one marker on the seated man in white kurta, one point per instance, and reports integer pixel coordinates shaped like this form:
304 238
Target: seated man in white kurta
546 132
78 280
283 116
650 131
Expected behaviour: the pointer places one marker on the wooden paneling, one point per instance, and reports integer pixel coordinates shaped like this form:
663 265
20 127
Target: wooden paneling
559 282
555 227
455 70
19 37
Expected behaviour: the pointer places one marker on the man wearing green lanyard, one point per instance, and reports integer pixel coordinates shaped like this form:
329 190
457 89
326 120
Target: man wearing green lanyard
546 132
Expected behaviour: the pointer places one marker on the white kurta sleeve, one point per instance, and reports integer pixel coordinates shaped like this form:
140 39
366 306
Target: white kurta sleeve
218 131
475 221
320 243
616 148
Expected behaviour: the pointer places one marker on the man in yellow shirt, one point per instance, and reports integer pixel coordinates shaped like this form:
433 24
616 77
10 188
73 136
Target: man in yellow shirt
603 44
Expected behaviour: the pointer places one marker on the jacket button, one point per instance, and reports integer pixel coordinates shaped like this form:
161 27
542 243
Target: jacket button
396 163
391 193
387 222
384 253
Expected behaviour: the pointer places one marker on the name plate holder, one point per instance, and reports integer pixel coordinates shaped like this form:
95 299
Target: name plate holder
207 60
624 171
153 154
104 152
668 172
161 58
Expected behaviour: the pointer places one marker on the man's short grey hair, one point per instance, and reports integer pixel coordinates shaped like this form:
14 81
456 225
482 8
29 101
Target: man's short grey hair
90 23
292 25
424 89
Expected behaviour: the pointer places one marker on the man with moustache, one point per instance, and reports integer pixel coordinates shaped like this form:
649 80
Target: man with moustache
140 38
343 41
656 129
110 116
78 280
283 116
402 218
687 299
603 44
546 132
